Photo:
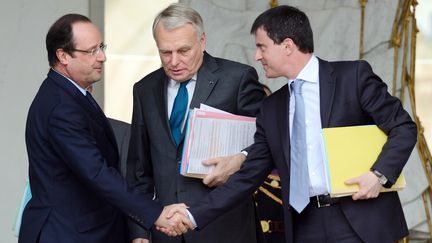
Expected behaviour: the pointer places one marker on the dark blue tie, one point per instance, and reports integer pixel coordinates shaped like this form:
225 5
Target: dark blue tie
299 182
178 112
92 100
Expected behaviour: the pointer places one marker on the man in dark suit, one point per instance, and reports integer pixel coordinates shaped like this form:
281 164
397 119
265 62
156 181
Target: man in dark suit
156 142
122 135
121 131
334 94
78 195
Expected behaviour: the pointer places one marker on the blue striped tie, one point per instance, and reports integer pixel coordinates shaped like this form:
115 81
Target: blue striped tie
299 182
178 112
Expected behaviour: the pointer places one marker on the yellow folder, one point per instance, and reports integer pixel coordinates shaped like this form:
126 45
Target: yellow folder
350 152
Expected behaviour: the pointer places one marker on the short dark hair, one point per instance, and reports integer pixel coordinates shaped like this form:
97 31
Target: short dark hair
60 36
286 22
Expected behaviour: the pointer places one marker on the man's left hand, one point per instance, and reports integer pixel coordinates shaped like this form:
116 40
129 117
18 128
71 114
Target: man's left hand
369 186
224 167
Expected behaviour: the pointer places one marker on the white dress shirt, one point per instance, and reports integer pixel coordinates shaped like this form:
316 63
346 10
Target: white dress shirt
172 90
315 146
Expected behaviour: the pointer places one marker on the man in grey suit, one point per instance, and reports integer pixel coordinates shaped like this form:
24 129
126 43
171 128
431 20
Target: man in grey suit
189 74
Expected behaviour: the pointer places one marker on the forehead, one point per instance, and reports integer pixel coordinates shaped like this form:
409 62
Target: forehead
176 38
86 34
261 36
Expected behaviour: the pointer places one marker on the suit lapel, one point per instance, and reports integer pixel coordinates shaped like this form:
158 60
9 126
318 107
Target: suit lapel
283 121
161 103
206 81
94 112
327 89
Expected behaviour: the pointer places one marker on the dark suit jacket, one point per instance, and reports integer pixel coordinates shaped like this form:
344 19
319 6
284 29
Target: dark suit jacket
153 162
78 195
122 135
350 94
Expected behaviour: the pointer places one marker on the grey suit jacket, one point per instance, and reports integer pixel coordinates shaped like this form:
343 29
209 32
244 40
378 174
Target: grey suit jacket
153 161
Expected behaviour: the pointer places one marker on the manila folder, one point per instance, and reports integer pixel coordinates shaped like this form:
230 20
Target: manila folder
350 152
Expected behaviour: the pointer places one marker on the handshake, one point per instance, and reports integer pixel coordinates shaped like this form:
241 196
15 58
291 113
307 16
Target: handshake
174 220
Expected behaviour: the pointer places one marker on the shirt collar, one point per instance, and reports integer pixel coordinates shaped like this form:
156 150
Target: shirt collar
173 83
83 91
310 71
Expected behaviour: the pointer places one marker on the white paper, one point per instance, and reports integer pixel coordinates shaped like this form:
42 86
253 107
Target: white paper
211 133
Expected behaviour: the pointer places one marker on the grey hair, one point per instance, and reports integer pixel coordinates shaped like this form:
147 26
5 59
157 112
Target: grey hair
177 15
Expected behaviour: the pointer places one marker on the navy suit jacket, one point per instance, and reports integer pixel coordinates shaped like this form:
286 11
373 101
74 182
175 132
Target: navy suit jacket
78 195
350 94
122 135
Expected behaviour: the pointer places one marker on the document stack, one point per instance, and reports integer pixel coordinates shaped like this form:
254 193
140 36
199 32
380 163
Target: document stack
212 133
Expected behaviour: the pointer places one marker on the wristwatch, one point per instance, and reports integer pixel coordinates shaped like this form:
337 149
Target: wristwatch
381 178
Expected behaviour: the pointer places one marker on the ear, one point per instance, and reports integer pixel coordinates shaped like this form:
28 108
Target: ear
62 56
203 40
289 45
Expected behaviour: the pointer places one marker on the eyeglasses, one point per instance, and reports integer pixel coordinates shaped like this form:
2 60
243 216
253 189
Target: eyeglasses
95 51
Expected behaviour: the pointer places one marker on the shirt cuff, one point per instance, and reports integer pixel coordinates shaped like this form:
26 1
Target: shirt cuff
244 152
191 218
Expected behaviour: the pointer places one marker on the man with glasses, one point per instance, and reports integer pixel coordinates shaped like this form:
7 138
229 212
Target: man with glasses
78 194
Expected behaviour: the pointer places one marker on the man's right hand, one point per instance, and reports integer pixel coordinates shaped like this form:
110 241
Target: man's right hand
174 224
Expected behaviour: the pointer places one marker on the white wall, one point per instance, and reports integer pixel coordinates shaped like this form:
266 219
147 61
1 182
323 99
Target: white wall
130 55
23 66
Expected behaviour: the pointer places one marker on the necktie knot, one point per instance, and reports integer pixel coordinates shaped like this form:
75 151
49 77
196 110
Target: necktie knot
91 100
183 84
296 86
